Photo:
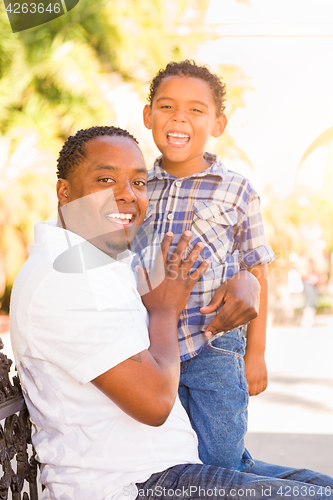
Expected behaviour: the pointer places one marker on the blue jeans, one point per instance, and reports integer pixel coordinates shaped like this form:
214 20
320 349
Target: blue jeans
213 391
283 472
211 482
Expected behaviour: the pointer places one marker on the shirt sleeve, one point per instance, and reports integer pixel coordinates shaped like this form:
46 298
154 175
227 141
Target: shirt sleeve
250 237
87 323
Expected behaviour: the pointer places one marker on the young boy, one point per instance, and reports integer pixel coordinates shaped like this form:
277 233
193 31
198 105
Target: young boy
191 189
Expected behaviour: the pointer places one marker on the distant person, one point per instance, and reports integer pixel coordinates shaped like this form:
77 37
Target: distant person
100 381
313 268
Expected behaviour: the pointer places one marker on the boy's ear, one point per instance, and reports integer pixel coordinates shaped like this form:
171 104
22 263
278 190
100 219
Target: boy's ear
147 116
62 191
220 125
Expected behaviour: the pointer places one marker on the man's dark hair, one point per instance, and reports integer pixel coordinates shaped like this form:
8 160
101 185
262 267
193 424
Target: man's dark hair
73 151
190 68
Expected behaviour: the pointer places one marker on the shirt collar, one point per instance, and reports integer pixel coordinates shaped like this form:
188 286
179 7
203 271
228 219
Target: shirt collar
69 252
215 167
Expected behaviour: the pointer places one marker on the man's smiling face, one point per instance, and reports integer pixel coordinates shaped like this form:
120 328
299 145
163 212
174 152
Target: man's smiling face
105 198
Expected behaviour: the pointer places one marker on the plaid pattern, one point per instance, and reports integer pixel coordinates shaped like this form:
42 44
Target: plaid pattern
222 210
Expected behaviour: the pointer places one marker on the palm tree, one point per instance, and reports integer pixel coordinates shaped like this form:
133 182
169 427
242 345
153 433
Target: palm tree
25 196
323 139
237 83
52 82
56 78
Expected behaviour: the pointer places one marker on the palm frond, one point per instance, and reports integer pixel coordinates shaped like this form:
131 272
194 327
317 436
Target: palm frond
323 139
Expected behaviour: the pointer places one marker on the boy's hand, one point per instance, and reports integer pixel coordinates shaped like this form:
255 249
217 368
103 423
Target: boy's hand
255 372
174 291
240 295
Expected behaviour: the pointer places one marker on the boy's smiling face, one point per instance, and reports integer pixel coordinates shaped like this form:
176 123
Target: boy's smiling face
182 118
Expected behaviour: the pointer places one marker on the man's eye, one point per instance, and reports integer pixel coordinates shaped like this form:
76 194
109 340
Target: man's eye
166 106
106 179
139 183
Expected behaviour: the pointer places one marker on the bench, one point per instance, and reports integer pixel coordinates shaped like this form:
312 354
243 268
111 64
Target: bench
17 456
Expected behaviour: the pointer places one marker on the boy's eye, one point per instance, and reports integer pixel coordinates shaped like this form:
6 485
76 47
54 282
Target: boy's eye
166 106
139 183
196 110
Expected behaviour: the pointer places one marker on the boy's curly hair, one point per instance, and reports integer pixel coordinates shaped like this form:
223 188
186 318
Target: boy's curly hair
190 68
73 151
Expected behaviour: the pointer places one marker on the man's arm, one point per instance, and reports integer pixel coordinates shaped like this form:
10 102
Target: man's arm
145 386
240 296
255 365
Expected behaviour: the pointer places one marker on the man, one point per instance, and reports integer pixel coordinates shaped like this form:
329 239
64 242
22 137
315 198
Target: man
99 385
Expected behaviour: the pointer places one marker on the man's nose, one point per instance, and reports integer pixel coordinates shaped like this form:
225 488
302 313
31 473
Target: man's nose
125 192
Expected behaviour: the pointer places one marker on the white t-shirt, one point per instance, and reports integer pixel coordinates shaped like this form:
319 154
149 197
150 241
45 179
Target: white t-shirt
66 329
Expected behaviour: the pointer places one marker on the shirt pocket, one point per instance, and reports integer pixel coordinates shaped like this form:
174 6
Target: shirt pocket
214 226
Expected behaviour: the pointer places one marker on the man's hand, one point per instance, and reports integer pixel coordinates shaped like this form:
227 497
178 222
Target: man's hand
255 372
174 290
240 296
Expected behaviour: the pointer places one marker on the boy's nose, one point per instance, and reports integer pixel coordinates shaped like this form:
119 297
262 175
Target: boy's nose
179 117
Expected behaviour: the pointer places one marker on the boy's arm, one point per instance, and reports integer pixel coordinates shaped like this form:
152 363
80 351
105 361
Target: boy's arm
240 296
145 386
255 365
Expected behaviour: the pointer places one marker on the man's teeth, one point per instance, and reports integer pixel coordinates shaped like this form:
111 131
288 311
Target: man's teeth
120 216
178 134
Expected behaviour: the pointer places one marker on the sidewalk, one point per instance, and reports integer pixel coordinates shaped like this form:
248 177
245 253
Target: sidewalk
291 423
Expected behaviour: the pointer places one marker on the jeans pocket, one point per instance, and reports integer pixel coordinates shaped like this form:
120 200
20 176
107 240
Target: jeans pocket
230 343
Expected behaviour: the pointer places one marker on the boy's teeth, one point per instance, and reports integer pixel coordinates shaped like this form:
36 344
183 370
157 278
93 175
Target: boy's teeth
178 134
178 139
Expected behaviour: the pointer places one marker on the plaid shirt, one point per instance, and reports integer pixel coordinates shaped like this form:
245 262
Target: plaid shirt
222 210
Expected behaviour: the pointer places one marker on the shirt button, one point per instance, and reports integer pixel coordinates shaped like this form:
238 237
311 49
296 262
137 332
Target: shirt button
178 183
170 216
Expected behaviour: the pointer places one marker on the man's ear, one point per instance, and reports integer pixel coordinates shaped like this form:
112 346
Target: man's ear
147 116
62 191
220 125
